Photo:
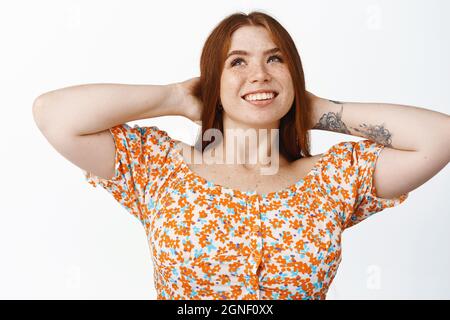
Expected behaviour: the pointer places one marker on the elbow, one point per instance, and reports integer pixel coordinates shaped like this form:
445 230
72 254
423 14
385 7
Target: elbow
38 113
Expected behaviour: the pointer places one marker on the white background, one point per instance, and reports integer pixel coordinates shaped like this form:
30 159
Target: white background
60 238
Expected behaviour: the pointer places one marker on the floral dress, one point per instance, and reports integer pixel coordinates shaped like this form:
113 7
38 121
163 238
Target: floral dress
209 241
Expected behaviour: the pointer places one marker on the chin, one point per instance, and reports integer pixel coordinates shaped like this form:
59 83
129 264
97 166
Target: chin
258 122
253 118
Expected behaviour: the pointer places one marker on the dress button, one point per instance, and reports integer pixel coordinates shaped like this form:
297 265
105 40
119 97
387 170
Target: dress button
256 262
258 257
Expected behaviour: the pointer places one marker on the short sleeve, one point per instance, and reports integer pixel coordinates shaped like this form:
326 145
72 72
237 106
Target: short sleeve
140 159
353 168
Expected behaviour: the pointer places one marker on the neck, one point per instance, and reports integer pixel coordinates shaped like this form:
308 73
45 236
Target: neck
251 148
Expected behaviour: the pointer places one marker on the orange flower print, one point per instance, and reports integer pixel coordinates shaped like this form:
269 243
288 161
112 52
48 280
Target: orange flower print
212 242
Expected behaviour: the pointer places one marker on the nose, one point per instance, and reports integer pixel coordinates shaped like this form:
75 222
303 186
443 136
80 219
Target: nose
259 73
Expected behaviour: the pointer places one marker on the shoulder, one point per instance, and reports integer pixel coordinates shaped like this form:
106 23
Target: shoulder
137 132
347 156
188 152
355 150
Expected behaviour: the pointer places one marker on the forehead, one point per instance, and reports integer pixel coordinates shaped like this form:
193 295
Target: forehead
251 38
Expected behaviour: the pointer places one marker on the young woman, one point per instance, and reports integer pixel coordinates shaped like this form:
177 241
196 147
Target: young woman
223 229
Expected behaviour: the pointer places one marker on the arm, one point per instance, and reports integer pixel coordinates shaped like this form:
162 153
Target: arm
77 120
91 108
417 139
396 126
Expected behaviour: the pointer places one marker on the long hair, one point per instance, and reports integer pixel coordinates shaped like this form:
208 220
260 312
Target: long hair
294 140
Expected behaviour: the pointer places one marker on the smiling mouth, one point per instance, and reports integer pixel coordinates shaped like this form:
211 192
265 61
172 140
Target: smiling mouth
262 102
274 92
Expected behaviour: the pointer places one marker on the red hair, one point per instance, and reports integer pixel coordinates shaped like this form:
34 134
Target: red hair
294 136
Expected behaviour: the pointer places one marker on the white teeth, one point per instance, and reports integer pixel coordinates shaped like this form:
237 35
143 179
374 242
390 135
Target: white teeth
259 96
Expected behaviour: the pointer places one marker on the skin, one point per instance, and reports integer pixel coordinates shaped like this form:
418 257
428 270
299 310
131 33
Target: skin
252 72
332 121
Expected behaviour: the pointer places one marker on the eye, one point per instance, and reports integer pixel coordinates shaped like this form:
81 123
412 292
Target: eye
276 56
235 61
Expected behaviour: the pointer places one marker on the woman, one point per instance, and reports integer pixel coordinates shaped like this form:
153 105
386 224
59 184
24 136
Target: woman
229 230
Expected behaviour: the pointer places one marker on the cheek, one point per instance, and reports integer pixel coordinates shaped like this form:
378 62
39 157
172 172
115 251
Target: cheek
289 90
230 87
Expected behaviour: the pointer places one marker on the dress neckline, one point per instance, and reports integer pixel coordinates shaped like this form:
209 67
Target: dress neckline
293 187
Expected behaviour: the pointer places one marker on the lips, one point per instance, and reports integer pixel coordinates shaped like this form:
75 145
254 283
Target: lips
260 91
261 103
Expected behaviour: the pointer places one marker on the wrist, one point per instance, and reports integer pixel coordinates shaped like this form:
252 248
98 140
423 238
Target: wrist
172 100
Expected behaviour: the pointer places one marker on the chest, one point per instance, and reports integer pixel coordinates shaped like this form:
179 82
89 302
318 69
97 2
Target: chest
214 240
238 178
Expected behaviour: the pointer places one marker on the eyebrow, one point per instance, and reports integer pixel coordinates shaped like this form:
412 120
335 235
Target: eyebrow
245 53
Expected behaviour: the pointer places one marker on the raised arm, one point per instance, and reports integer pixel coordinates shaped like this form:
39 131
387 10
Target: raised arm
417 140
91 108
76 120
